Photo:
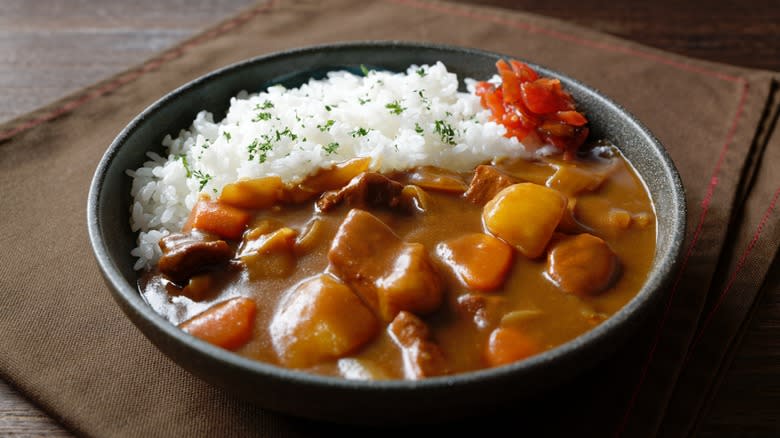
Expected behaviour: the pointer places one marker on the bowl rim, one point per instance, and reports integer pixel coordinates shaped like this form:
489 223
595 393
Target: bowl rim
130 299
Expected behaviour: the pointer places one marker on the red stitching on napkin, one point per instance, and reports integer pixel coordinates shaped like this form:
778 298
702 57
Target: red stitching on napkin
705 206
737 269
125 78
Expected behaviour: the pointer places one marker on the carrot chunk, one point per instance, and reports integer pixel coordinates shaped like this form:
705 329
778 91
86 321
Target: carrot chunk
217 218
479 260
228 324
507 345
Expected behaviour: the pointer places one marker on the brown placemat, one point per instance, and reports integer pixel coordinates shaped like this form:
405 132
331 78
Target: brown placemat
68 347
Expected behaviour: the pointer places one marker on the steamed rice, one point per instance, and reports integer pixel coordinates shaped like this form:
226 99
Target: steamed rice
400 120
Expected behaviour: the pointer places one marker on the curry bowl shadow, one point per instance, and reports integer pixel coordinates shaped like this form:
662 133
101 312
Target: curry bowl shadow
320 397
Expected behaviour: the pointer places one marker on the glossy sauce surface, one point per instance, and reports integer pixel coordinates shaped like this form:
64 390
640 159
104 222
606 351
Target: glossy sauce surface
615 208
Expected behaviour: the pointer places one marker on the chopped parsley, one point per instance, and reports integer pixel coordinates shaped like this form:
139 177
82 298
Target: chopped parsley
328 107
445 131
417 128
259 150
286 132
203 178
424 99
326 126
364 70
262 116
395 107
359 132
266 105
331 148
363 101
421 72
185 164
227 135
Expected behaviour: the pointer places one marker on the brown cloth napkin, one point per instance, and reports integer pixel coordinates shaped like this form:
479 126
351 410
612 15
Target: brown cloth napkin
67 346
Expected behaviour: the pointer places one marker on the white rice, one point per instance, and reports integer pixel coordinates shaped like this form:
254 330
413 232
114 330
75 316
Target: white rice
399 120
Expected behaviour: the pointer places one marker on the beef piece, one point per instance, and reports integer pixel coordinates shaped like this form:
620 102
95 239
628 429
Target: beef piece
365 190
487 182
187 254
389 274
422 356
485 311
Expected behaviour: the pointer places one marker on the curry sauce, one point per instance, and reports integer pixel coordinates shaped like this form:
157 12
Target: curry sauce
413 274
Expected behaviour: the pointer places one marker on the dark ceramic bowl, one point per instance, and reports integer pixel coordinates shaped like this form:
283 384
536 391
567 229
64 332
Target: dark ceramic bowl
336 399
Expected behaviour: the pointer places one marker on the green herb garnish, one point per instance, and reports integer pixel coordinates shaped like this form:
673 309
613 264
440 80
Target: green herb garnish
359 132
395 107
262 116
266 105
424 99
185 164
203 178
421 71
259 150
445 131
364 69
363 101
286 132
417 128
227 136
326 126
331 148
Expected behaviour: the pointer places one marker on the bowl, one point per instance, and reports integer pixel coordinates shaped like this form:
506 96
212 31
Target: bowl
319 397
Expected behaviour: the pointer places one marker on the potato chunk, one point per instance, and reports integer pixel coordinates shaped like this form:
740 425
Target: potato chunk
479 260
388 273
573 180
525 216
321 319
270 254
335 177
253 193
582 264
436 179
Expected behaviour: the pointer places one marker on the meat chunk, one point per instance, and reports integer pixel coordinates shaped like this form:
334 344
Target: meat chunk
368 189
389 274
582 265
321 319
187 254
485 311
422 356
486 184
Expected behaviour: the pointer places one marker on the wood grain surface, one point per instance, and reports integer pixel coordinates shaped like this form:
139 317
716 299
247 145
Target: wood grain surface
50 48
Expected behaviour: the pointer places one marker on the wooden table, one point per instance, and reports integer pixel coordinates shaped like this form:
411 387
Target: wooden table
49 48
